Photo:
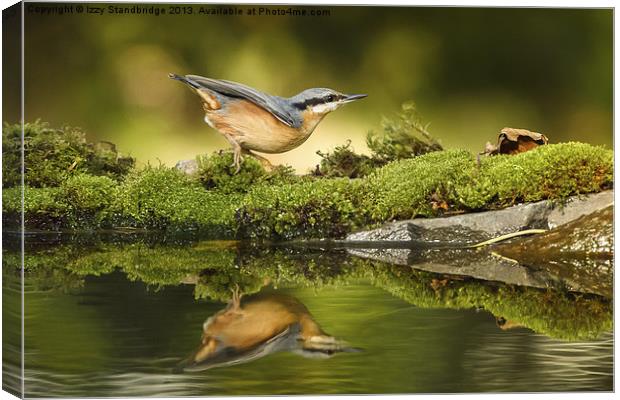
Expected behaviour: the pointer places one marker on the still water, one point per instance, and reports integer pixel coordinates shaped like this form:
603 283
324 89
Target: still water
118 319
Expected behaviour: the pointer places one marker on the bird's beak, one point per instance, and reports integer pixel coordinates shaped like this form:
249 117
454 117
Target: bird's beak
353 97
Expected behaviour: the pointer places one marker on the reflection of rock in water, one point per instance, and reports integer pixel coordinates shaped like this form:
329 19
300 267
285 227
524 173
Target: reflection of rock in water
578 254
257 326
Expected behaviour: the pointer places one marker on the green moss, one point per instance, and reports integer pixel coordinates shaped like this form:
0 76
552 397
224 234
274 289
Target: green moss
217 172
42 208
53 155
81 201
410 188
402 137
343 162
321 208
405 136
87 199
406 188
77 185
548 172
166 199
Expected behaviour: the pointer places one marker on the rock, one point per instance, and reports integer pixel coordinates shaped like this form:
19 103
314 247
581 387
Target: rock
577 256
189 167
579 253
467 229
574 209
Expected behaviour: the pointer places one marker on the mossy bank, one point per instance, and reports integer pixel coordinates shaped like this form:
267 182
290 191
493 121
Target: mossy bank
90 189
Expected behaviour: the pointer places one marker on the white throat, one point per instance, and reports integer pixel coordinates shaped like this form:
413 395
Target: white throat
325 108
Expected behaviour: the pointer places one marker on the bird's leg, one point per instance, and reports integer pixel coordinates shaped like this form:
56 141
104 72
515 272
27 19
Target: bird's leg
237 150
237 158
236 297
264 162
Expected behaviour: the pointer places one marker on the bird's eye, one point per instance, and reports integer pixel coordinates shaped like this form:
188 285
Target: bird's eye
331 98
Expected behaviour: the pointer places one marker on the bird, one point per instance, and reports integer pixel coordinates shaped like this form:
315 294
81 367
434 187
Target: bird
252 120
263 324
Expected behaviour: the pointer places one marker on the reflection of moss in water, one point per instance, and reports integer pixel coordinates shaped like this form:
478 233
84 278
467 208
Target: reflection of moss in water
282 268
554 313
157 266
216 268
42 270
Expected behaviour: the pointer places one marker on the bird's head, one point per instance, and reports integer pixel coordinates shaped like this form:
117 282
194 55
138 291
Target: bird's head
321 101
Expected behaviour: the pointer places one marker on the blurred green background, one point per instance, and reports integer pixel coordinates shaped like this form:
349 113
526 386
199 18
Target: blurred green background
470 71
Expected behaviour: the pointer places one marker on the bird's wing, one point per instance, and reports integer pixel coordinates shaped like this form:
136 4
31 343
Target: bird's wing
245 92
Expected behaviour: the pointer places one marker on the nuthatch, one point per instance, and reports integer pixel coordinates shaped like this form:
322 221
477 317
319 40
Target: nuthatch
253 120
265 323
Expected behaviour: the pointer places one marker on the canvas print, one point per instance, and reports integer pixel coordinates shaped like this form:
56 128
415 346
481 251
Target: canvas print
245 199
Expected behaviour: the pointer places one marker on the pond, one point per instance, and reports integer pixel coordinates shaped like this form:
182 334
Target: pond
136 316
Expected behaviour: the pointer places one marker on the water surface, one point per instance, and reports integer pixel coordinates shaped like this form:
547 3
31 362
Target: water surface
114 319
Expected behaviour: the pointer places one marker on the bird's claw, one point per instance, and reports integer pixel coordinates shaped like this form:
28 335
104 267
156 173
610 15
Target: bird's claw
237 162
236 296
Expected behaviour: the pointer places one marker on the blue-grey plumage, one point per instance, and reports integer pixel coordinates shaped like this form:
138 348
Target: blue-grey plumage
253 120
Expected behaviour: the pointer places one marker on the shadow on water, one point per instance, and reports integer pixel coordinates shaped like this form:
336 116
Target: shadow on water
118 318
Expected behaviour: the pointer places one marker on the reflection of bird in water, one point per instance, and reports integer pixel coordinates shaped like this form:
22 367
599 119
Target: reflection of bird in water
262 324
253 120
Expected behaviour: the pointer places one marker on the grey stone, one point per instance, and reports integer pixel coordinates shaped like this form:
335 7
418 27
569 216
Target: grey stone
578 206
579 253
471 228
189 167
577 256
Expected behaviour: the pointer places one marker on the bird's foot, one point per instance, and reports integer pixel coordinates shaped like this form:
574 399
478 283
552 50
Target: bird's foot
236 297
237 160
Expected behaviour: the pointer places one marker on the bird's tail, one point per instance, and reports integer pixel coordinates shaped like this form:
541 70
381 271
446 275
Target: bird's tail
184 80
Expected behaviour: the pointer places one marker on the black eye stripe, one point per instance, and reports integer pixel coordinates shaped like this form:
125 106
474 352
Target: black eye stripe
313 102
